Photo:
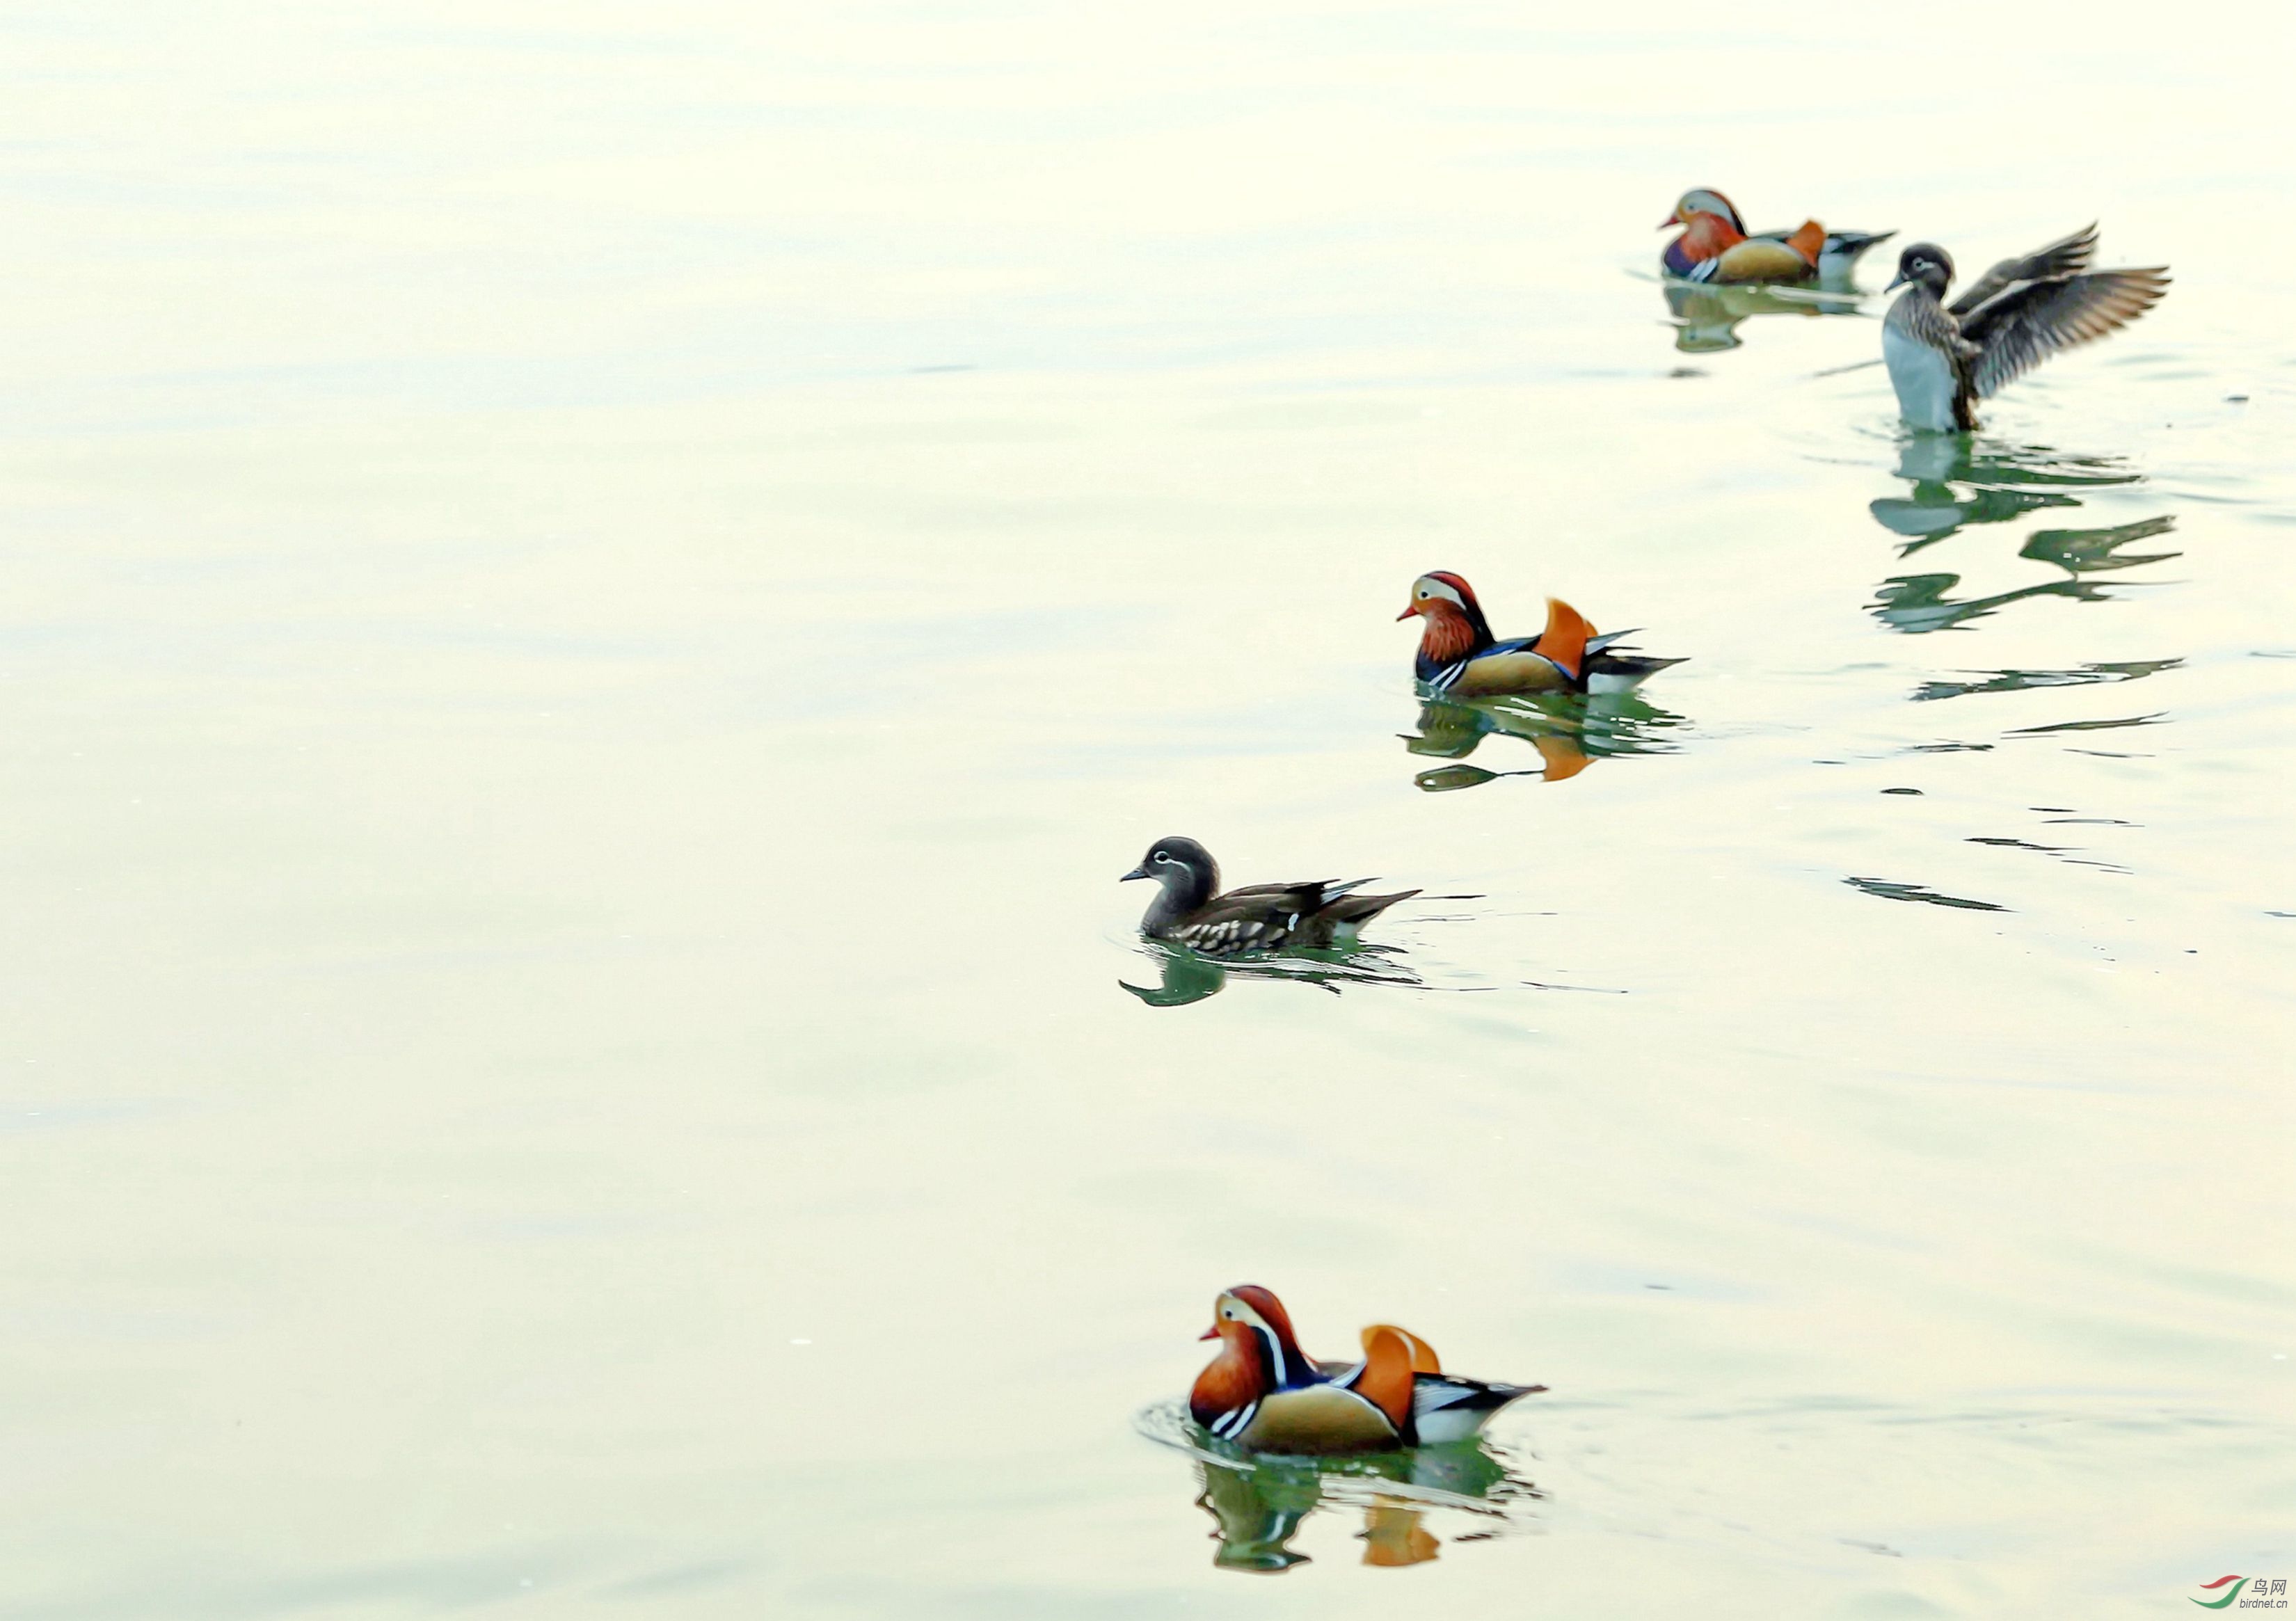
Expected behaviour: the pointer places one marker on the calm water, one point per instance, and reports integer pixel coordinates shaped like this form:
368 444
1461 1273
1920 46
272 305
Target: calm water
596 596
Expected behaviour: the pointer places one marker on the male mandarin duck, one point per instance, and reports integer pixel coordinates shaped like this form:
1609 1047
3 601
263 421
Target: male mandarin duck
1944 358
1262 1393
1189 909
1714 246
1458 657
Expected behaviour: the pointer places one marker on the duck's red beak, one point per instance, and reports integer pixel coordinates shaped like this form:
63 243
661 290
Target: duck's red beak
1410 612
1210 1333
1672 219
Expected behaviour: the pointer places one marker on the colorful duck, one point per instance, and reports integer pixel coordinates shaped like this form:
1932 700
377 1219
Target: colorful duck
1944 358
1262 1393
1714 246
1191 911
1459 658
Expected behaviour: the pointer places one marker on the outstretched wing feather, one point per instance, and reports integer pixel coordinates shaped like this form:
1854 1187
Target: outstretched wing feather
2067 256
2024 326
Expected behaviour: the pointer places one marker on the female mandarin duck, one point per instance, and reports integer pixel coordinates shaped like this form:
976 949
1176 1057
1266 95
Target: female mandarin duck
1458 658
1189 909
1262 1393
1714 246
1944 358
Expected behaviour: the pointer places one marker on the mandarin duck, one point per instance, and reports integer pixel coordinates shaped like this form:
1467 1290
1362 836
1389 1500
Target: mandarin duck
1458 658
1189 909
1263 1394
1714 246
1943 358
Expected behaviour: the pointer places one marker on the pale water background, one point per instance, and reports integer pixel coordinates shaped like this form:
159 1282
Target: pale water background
596 595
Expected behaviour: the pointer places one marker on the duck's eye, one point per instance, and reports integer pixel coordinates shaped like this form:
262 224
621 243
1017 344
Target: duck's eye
1161 856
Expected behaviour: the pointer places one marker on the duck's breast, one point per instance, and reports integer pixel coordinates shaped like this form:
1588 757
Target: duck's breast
1923 379
1317 1419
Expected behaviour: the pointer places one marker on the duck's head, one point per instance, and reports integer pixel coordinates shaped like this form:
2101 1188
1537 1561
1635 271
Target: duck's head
1926 265
1441 595
1250 1320
1179 865
1703 200
1454 626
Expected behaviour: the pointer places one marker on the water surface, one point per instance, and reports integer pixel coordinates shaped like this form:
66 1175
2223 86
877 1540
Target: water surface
596 599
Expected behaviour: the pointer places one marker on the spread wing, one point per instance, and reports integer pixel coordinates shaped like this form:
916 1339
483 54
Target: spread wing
2068 256
2021 327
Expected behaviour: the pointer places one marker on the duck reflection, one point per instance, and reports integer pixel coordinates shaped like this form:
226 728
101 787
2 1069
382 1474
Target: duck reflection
2000 482
1920 603
1961 479
1258 1507
1706 318
1184 977
2026 681
1567 732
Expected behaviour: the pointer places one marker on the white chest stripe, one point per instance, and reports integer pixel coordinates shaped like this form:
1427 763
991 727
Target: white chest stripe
1275 1356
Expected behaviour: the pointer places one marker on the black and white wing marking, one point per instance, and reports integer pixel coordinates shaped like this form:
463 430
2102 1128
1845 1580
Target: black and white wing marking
2067 256
1447 677
1235 1421
2023 326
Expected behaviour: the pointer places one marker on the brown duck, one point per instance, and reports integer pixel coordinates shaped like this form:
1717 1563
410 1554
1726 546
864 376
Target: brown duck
1190 910
1943 358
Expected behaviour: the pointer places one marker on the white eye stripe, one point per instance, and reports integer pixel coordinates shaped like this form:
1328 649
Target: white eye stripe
1162 857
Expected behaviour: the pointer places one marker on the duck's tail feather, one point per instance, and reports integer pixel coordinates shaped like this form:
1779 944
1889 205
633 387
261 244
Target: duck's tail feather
1360 909
1610 672
1849 244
